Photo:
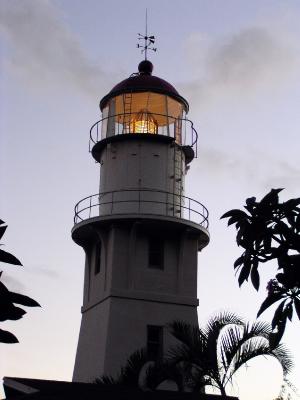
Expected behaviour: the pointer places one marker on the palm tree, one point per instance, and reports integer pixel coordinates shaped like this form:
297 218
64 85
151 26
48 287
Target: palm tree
129 375
215 353
203 357
141 372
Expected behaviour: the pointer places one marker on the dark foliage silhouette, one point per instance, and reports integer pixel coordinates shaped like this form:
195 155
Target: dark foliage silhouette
203 357
130 374
8 299
217 351
141 372
270 230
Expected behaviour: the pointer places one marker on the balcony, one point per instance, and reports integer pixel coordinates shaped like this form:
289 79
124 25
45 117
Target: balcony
142 202
180 129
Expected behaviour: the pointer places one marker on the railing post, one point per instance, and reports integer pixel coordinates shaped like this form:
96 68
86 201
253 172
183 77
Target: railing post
112 202
90 209
189 209
139 200
166 203
180 205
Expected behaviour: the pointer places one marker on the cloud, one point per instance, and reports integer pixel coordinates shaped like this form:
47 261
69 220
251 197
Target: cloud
12 284
42 50
244 63
43 271
272 172
17 283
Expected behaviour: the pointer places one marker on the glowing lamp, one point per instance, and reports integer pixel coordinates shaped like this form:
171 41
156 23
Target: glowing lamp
143 122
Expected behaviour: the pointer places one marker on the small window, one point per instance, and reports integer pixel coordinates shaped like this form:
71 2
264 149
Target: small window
97 257
156 253
154 342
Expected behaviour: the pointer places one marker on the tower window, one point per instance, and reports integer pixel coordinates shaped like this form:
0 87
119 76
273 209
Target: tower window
154 342
156 253
97 257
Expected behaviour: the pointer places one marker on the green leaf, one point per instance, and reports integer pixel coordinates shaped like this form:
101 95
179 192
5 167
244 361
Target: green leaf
278 315
291 204
8 258
239 261
235 213
244 274
279 334
255 277
250 204
2 230
289 311
267 240
271 299
233 220
23 300
7 337
11 313
271 197
297 306
298 221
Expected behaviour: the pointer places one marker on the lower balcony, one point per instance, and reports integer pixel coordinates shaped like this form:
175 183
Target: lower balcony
148 202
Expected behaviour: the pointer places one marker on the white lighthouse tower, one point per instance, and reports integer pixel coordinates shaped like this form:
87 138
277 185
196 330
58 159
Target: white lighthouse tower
140 233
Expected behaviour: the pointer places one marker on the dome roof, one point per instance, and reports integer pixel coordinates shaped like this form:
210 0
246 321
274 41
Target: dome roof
144 82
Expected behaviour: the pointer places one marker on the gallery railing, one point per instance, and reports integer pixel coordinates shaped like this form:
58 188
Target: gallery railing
141 201
181 129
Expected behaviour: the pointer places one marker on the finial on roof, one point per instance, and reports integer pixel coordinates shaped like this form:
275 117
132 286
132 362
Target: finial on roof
148 40
145 67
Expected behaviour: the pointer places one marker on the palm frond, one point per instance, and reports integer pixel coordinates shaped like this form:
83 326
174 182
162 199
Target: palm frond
234 337
230 343
257 328
154 375
284 357
259 347
196 357
192 346
188 334
167 371
179 353
213 331
199 381
218 321
130 373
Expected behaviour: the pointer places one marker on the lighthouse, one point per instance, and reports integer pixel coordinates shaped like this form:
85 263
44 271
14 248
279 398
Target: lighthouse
140 231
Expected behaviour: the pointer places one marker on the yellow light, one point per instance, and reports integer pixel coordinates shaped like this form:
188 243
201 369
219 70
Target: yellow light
143 122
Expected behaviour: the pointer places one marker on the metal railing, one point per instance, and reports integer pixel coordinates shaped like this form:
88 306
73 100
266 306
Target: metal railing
181 129
141 201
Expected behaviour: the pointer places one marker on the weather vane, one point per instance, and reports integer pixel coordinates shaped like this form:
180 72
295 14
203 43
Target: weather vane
148 40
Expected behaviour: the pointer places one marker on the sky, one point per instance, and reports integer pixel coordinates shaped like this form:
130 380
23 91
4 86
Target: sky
237 64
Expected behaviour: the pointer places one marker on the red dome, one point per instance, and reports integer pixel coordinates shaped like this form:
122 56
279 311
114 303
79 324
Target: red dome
144 82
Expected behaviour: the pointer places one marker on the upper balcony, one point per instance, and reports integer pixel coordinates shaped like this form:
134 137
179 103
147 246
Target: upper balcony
181 130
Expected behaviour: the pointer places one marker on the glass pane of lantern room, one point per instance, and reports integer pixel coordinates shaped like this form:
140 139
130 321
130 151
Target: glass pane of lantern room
104 122
140 112
111 118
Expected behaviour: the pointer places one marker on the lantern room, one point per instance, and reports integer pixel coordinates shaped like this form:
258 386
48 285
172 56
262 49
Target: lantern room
144 104
143 112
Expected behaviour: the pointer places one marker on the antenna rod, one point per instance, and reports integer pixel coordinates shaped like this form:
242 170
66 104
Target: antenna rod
148 40
146 35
